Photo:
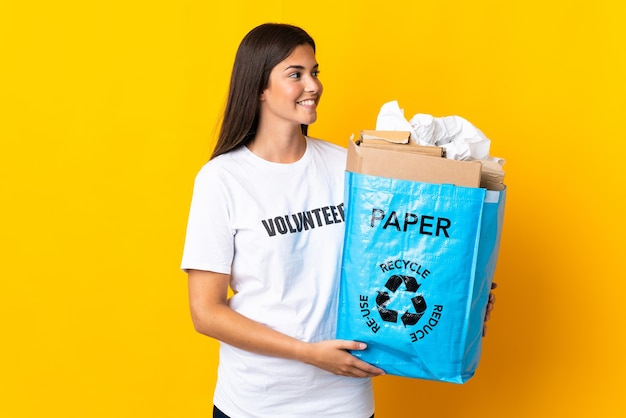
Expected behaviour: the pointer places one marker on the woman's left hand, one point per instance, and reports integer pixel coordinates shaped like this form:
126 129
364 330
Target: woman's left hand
490 303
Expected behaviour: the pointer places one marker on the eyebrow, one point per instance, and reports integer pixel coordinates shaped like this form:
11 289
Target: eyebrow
299 67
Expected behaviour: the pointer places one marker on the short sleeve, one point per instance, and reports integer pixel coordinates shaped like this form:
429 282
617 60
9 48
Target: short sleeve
209 237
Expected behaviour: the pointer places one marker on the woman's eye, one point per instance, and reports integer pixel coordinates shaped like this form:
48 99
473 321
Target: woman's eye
295 75
316 73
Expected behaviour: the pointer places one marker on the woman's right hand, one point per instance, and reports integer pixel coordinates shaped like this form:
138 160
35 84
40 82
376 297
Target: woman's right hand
333 356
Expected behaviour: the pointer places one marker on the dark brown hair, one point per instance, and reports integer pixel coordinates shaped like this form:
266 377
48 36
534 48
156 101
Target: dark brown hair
260 50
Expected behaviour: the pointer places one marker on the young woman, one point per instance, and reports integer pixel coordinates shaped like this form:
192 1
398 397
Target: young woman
266 219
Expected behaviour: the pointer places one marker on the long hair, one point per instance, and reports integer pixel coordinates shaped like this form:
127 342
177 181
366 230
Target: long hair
260 50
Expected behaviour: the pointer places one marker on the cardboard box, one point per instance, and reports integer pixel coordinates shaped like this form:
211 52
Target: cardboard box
395 162
397 141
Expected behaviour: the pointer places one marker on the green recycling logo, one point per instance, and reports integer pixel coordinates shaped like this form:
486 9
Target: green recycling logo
384 302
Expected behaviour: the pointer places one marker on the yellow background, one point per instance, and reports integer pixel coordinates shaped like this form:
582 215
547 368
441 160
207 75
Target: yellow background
108 109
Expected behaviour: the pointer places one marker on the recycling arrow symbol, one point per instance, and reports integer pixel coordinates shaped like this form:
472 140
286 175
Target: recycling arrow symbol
411 286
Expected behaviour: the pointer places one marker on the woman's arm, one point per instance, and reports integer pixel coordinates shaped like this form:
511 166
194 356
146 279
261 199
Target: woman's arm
211 316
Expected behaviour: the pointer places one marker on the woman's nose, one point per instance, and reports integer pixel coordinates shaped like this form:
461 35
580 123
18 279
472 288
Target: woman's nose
313 85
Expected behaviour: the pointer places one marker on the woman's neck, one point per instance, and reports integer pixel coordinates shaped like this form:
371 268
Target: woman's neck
278 147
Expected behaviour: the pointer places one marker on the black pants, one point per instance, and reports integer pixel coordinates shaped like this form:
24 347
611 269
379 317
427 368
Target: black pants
219 414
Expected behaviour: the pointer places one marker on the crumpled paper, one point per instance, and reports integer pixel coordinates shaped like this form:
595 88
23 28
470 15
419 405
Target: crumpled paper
461 139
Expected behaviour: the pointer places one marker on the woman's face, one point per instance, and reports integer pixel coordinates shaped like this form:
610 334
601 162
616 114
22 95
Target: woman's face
293 91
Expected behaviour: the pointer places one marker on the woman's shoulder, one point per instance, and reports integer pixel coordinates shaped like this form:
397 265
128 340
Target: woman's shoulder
326 146
222 161
214 169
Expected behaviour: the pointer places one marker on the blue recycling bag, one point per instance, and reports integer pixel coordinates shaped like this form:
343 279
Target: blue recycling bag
417 268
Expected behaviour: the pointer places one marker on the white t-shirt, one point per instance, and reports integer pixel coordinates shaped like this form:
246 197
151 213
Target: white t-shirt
278 230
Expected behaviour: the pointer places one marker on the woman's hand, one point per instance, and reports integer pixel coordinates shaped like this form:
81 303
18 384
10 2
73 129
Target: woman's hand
333 356
490 304
213 317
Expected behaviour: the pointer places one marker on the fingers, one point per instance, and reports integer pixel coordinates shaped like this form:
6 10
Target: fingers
360 373
359 368
351 345
351 366
490 304
487 315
